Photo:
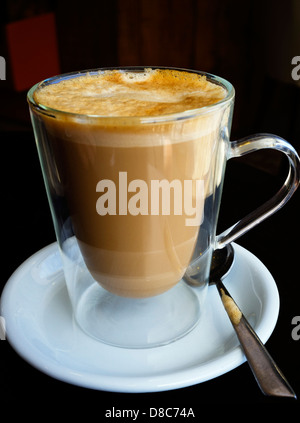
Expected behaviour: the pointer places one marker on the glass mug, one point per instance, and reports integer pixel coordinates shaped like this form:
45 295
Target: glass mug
135 203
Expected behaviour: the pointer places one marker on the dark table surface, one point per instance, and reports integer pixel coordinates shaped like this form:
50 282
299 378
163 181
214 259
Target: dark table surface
27 227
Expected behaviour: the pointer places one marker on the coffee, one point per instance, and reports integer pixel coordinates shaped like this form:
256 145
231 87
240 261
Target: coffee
133 242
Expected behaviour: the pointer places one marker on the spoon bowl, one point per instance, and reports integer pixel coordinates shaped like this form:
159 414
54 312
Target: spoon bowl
221 263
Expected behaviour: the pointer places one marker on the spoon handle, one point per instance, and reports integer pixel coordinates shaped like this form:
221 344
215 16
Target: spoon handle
268 376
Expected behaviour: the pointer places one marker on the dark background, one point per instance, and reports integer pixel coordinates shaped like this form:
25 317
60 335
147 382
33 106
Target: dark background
252 45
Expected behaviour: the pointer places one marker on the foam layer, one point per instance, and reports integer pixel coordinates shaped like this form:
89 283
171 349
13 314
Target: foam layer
116 93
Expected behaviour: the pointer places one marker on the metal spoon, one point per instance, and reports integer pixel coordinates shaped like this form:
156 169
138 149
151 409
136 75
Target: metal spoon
268 376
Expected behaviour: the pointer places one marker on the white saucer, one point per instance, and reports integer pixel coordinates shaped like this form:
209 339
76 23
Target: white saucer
40 327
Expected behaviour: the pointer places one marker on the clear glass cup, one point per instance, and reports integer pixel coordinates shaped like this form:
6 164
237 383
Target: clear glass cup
135 204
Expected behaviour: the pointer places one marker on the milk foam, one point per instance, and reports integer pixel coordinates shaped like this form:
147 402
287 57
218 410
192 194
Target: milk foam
153 92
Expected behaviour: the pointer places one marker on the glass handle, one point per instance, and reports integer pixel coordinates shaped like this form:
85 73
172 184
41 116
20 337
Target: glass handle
249 145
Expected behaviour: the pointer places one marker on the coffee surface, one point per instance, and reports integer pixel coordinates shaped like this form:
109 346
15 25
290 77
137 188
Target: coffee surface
118 93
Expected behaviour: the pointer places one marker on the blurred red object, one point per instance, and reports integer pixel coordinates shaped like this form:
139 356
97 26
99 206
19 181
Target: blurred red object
33 50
